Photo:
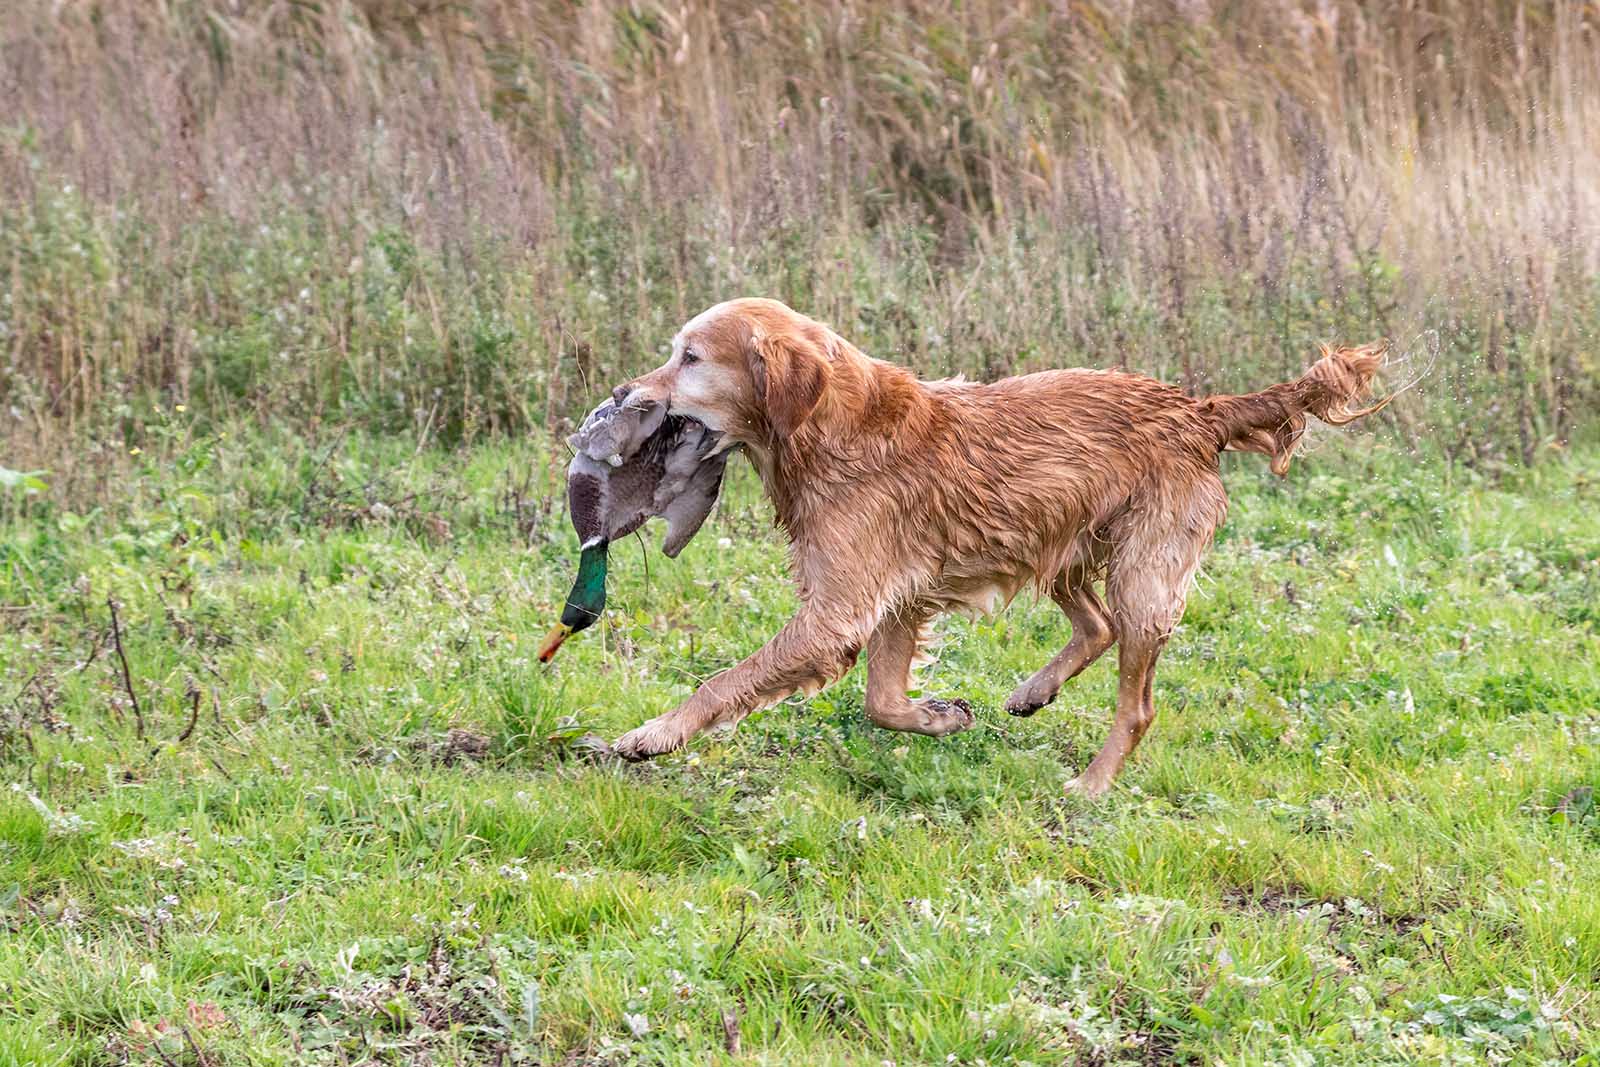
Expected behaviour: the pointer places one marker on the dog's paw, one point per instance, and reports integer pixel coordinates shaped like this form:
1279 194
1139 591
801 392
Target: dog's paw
1089 786
1026 700
945 717
654 738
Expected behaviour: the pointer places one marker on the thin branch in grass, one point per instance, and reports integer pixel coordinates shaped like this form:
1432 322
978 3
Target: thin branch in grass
94 651
745 928
17 700
314 482
127 674
194 713
20 728
199 1054
316 472
427 426
644 556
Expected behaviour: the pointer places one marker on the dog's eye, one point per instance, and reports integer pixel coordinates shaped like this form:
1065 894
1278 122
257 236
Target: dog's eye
690 357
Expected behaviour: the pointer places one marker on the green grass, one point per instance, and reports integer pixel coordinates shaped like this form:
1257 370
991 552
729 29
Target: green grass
1356 834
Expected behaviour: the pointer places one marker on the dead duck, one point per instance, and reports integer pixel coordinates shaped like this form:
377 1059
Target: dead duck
631 462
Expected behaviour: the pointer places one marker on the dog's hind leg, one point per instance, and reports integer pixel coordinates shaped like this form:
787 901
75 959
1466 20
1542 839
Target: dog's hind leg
1157 550
890 651
1092 634
1136 710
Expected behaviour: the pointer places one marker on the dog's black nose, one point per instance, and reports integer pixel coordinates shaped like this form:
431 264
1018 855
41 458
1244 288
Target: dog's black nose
620 393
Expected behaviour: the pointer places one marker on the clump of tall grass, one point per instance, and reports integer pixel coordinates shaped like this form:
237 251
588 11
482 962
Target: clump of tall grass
465 219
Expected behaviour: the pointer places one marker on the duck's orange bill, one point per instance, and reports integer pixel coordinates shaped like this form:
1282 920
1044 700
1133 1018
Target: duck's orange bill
552 641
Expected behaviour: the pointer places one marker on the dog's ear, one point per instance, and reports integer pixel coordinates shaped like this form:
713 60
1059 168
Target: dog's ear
790 373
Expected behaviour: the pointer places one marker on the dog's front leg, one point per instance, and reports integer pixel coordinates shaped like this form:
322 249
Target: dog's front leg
812 650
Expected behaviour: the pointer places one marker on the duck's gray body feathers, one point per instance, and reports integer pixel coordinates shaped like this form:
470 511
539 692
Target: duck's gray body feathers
633 462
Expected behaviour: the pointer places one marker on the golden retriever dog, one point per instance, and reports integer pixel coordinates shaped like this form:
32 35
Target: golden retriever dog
904 499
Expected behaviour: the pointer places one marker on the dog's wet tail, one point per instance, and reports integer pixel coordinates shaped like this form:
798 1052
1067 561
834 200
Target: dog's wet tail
1272 421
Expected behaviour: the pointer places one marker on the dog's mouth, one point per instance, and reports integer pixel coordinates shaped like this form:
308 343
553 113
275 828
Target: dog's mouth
677 424
711 440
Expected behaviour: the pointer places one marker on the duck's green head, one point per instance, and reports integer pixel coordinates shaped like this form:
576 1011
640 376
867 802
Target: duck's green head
584 604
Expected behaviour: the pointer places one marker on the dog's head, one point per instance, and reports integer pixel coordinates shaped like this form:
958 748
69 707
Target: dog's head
752 369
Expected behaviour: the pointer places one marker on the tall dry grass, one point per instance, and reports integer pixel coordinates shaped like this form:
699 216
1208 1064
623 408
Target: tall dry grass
465 218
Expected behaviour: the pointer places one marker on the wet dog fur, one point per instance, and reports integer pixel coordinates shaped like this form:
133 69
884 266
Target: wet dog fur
904 499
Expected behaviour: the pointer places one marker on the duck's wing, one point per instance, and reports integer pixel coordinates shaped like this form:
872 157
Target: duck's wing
633 494
691 482
687 512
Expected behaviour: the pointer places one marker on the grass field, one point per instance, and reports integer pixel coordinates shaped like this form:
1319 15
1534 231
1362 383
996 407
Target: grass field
296 299
343 823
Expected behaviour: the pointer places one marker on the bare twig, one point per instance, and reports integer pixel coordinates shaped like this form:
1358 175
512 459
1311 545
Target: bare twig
644 554
194 713
316 472
127 675
427 427
168 1060
94 651
21 728
199 1054
745 929
16 700
313 485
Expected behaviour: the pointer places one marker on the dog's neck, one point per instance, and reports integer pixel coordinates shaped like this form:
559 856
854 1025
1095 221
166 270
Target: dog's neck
870 418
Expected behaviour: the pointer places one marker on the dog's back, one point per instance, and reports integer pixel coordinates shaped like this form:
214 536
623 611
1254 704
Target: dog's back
1050 470
1013 482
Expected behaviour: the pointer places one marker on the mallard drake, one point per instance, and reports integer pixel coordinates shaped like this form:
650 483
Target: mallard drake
631 462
